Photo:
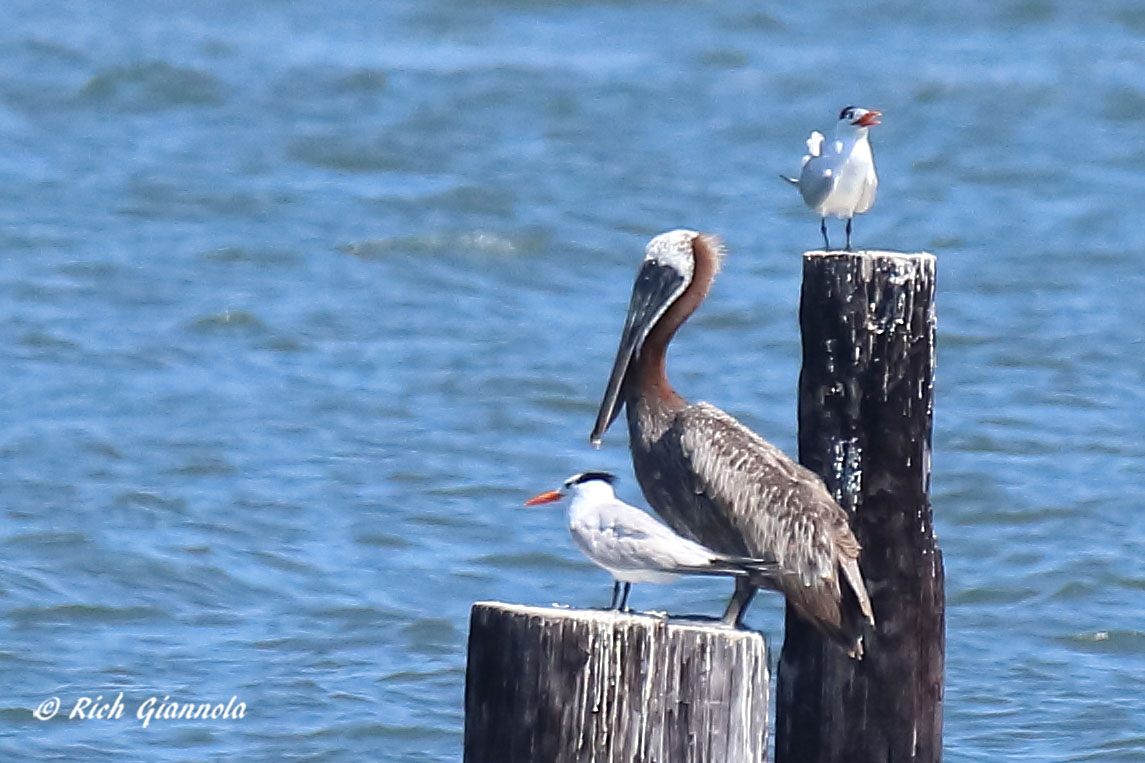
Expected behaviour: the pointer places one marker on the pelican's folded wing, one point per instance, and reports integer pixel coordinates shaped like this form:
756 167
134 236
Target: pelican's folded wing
782 509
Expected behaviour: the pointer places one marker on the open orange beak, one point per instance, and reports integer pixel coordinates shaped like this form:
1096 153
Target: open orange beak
549 497
870 119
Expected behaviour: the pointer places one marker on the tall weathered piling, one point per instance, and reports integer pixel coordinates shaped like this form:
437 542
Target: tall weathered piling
865 414
559 685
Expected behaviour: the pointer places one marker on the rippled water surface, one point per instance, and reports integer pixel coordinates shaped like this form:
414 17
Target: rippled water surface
299 301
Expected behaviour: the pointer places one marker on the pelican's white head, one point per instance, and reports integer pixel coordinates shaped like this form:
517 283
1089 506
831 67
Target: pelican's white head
675 249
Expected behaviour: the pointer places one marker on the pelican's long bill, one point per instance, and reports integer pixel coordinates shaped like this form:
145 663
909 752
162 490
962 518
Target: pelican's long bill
657 286
548 497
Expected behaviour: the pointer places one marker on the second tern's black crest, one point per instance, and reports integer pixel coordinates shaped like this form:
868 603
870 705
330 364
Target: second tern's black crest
580 479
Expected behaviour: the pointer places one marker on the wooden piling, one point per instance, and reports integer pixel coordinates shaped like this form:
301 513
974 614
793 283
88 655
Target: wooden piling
865 414
547 685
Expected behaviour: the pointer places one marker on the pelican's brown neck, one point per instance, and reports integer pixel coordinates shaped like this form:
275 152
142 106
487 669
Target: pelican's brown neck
651 375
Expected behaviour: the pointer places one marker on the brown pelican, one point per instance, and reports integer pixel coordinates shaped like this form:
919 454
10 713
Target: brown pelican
711 478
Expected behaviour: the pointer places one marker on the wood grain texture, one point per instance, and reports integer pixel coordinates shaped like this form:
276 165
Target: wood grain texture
866 396
554 685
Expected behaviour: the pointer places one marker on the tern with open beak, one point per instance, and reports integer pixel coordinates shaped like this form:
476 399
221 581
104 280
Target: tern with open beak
838 177
634 546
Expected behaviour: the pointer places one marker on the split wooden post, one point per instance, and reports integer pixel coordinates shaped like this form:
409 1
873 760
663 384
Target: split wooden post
866 396
547 685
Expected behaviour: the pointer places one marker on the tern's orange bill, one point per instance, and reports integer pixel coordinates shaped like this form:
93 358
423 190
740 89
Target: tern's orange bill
870 119
549 497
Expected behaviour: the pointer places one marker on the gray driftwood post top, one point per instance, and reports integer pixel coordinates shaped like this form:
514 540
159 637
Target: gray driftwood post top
555 685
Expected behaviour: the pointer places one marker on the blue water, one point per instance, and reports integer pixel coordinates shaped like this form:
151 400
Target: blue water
299 301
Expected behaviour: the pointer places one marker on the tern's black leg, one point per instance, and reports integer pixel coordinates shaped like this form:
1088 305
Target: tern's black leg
823 229
849 233
744 593
624 598
615 594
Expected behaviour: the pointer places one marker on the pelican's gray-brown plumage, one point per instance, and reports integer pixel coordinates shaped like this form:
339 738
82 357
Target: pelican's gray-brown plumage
711 478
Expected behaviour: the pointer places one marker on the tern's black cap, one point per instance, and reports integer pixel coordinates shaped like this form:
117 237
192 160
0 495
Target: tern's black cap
580 479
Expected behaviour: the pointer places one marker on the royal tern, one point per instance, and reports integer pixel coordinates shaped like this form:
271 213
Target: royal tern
634 546
713 479
838 178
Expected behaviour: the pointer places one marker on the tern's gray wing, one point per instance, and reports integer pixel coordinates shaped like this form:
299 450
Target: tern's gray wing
622 537
817 181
